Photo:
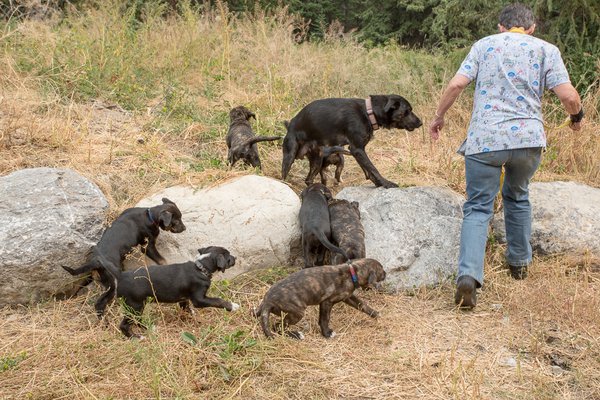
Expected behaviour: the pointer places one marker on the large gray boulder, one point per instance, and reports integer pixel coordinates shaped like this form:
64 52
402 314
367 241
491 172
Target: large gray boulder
254 217
414 232
50 217
566 218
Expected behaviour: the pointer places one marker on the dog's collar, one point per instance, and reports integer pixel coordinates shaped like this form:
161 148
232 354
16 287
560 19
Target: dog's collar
203 270
353 275
370 113
152 220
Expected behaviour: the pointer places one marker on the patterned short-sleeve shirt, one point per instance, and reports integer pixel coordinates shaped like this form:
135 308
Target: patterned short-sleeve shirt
510 71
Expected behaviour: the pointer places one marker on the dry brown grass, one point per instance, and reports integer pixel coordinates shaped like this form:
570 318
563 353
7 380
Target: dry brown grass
420 347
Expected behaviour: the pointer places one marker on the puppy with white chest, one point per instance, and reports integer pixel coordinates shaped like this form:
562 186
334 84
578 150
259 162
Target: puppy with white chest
323 286
174 283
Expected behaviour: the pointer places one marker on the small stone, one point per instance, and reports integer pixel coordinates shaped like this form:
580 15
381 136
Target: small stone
510 362
556 370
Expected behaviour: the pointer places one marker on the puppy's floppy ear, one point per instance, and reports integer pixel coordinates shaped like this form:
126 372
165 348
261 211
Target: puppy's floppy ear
327 193
250 114
372 278
356 206
165 218
221 262
166 201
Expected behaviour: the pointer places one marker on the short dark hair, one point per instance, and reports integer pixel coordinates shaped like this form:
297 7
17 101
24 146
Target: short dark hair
516 15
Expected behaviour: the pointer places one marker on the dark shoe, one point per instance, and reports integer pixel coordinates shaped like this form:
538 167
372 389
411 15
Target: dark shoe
466 295
518 272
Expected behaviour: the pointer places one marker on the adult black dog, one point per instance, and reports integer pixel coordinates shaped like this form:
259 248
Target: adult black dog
241 140
314 221
324 286
135 226
174 283
339 122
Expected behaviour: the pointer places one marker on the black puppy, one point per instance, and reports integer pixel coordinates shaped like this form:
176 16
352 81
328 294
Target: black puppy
346 229
174 283
339 122
316 230
324 286
135 226
241 140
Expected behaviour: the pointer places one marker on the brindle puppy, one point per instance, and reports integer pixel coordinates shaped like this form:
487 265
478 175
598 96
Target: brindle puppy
346 229
319 158
241 140
325 286
322 157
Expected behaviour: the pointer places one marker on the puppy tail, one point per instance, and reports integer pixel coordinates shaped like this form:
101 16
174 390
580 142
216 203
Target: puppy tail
257 139
330 246
327 151
264 312
86 268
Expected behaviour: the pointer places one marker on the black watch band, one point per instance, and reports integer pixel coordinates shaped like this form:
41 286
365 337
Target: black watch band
577 117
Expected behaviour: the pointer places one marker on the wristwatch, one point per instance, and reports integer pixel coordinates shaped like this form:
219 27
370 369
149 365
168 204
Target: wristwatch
577 117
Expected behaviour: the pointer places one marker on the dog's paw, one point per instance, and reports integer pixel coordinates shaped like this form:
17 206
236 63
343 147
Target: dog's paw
332 335
296 335
234 307
389 185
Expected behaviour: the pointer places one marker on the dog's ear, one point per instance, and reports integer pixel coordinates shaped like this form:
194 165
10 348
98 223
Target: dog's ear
203 250
391 104
250 114
372 278
396 103
166 201
326 192
221 262
165 218
356 205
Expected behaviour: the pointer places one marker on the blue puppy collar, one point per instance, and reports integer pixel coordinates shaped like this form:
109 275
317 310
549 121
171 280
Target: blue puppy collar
152 220
353 276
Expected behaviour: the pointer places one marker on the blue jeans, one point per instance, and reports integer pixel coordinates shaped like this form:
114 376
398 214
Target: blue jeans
483 172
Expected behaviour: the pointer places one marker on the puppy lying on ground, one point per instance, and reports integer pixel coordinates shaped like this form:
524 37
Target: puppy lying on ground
314 221
241 140
135 226
340 122
346 230
325 286
174 283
